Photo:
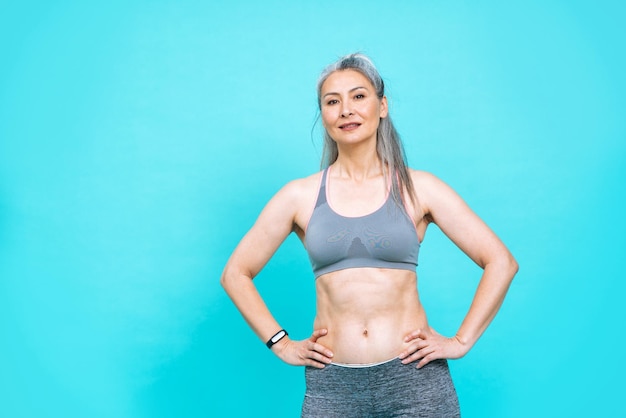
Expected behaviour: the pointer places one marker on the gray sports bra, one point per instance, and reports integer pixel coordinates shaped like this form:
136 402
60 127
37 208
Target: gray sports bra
386 238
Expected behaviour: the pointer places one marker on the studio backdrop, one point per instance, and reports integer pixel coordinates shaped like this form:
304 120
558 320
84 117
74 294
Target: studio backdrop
139 141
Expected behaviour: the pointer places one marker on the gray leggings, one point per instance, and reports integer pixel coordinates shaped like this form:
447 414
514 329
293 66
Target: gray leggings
388 389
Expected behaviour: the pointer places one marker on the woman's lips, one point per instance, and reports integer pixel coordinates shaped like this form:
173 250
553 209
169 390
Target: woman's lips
349 126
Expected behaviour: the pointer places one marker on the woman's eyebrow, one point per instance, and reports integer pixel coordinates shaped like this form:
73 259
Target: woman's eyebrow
330 93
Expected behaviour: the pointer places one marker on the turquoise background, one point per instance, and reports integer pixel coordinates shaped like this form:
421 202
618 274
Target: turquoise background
139 140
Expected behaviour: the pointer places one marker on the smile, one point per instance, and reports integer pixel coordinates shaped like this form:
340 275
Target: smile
349 126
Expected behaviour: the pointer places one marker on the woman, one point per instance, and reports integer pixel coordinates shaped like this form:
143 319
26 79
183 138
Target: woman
362 219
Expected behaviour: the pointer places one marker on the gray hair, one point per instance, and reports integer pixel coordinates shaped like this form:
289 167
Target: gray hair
388 144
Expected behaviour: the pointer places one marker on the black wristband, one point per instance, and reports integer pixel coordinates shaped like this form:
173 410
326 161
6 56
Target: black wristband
276 338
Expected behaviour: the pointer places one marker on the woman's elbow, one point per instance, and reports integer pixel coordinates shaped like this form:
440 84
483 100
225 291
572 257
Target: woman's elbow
230 278
227 278
512 265
505 264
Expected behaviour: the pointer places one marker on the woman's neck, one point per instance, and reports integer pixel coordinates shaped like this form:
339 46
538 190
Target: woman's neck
357 166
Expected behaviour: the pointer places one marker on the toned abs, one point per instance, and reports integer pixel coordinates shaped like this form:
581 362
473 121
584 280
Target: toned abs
367 312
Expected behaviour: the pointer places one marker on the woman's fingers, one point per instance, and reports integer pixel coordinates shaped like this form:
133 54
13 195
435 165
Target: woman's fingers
316 347
418 340
418 333
425 347
415 355
320 357
315 364
413 348
321 352
425 360
306 352
314 354
438 347
318 333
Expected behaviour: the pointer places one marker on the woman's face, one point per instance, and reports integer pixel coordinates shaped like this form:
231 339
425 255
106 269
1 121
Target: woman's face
351 110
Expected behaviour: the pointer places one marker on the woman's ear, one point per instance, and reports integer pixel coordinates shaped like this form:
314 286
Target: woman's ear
384 110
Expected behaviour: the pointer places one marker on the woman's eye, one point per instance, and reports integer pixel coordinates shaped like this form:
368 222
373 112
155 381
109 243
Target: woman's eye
332 102
359 96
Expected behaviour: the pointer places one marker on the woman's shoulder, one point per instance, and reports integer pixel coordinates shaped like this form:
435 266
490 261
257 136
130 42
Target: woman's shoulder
299 197
428 186
422 178
432 192
308 181
302 188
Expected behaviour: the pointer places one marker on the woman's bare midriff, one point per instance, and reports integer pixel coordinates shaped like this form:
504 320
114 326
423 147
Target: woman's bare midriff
367 312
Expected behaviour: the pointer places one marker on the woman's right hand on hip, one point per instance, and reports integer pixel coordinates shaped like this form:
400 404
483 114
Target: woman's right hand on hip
305 352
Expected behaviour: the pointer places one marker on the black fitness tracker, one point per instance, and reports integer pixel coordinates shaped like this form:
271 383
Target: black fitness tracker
276 338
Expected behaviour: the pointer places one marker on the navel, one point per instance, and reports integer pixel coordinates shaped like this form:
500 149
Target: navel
365 332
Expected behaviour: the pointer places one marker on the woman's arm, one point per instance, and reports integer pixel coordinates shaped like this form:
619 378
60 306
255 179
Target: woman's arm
274 224
446 209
